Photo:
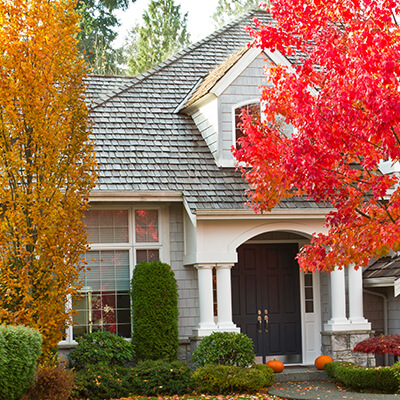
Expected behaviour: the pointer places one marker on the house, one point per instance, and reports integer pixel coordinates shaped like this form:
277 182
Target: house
168 190
381 282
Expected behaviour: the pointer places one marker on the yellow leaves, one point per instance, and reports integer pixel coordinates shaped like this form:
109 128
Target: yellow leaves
47 166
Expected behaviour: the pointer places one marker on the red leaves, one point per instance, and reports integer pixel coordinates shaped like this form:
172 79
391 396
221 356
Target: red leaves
383 344
343 99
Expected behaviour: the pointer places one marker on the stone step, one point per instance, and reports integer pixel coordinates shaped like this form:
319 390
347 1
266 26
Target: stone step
301 374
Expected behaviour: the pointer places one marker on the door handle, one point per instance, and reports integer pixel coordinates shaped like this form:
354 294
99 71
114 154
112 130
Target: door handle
259 321
266 323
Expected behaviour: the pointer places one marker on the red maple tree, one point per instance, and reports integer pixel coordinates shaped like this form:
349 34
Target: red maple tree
341 94
383 344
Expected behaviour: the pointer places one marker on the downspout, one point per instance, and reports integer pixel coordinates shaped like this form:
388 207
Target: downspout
385 316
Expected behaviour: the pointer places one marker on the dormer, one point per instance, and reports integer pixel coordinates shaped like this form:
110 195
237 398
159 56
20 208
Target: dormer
216 101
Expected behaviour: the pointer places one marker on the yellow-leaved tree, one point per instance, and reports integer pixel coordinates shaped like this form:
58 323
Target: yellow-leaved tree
47 164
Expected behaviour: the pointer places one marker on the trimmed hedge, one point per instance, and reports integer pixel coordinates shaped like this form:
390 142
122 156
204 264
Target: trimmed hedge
99 382
20 348
162 377
154 312
268 373
226 379
100 347
225 348
150 378
381 379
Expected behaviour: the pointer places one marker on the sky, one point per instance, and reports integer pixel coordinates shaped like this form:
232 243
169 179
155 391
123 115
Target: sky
200 23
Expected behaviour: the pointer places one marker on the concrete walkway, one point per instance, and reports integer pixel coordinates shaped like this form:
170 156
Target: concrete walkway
320 390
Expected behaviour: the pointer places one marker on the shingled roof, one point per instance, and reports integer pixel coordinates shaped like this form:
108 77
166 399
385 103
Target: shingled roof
385 267
142 144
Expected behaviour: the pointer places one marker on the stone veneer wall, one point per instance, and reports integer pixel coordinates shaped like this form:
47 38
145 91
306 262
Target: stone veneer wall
340 344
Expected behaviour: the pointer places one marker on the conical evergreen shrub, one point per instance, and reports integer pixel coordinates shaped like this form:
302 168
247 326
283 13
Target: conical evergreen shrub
154 302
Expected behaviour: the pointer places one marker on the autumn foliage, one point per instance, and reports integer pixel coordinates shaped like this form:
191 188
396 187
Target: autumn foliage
383 344
46 162
340 92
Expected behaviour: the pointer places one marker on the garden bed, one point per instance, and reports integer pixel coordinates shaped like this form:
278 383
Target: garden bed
258 396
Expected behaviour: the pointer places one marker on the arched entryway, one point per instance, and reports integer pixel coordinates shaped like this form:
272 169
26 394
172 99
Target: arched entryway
268 295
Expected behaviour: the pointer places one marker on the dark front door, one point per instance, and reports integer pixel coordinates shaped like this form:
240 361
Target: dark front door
266 299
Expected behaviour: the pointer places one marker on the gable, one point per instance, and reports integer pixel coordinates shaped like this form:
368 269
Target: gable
148 145
244 89
232 84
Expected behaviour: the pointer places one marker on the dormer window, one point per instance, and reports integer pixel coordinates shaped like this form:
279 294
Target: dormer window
252 108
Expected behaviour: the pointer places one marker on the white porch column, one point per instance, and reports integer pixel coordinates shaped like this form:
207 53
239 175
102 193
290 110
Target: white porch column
338 322
206 324
224 298
356 312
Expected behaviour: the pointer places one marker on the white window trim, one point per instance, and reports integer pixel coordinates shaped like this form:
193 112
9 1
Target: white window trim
241 104
162 246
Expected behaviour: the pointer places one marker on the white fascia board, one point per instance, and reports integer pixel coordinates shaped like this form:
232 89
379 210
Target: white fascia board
203 101
135 195
224 163
191 216
379 282
294 213
236 70
188 96
389 167
278 58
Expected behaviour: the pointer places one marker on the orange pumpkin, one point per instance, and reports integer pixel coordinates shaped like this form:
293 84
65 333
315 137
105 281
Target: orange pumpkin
276 365
321 361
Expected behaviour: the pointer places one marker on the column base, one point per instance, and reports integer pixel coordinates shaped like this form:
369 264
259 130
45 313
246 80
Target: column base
208 330
337 325
227 327
360 324
205 330
340 345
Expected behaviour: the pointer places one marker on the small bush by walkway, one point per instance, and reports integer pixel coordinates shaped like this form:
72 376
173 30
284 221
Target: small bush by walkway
380 379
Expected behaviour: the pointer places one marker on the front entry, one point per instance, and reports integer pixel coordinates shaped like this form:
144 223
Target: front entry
266 299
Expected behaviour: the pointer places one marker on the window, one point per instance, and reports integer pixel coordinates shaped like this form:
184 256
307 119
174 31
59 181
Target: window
309 294
146 234
253 109
107 226
104 302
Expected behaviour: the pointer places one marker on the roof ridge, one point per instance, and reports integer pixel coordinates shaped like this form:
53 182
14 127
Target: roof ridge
137 79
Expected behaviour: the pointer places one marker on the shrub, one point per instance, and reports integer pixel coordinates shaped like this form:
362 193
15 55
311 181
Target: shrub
353 376
162 377
154 312
382 344
396 372
225 379
53 383
20 348
100 347
225 348
268 373
99 382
